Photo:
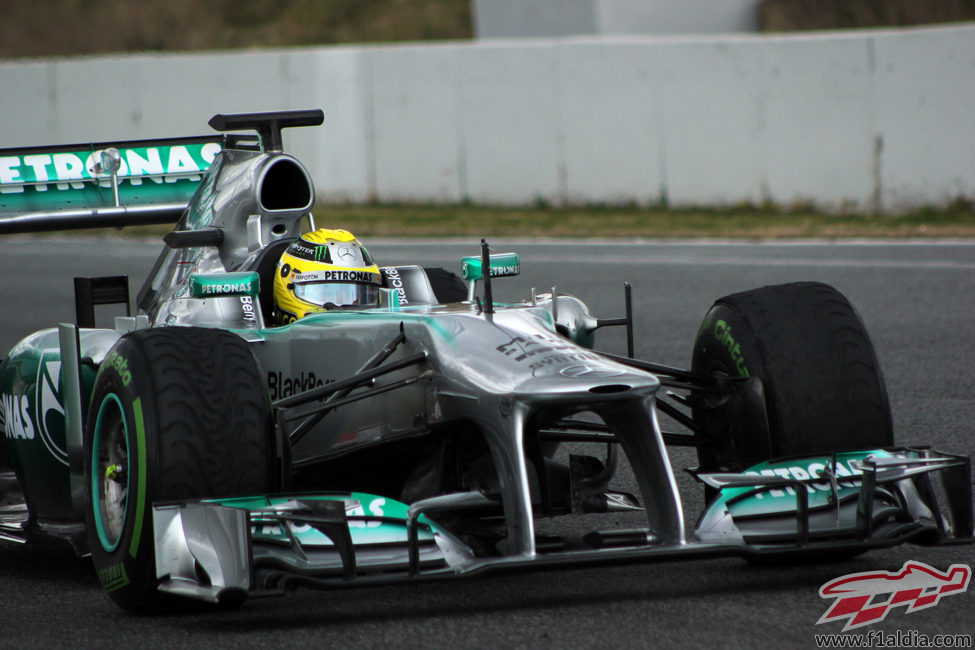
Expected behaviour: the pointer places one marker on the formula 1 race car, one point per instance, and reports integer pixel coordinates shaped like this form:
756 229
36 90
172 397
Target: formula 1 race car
202 449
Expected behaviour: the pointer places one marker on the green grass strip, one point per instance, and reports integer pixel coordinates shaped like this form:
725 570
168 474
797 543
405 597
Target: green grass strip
746 222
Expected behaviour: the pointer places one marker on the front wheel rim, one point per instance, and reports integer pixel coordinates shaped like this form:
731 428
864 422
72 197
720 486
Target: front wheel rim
110 472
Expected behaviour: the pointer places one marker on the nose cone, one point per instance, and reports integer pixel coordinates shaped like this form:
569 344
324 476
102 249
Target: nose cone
585 376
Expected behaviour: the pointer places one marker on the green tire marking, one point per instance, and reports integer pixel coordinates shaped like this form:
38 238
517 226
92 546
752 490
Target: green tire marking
140 503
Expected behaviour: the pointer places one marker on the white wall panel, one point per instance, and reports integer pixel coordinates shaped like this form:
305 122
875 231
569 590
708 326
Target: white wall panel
608 123
28 104
419 154
510 122
338 154
925 90
818 114
844 119
713 105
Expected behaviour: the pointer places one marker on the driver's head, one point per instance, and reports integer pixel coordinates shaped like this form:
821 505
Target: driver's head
321 270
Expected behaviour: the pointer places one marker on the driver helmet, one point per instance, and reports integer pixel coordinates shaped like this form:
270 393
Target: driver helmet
322 270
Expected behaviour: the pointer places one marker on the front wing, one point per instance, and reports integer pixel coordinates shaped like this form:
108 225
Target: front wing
230 549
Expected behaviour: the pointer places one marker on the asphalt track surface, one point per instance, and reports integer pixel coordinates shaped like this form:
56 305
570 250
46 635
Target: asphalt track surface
916 299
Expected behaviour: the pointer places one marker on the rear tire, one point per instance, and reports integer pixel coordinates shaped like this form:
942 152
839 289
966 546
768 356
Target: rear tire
823 387
176 413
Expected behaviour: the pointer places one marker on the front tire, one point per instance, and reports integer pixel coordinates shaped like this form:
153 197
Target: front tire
176 413
822 384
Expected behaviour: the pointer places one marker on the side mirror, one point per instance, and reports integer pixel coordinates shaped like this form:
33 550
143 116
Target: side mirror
502 265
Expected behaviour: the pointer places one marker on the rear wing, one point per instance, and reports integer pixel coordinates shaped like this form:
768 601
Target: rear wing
105 184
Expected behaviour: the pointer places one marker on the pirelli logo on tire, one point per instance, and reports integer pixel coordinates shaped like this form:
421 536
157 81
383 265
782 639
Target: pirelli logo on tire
725 337
113 577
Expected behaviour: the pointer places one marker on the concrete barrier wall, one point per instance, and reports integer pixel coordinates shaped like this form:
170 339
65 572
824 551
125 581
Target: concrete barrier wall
535 18
853 120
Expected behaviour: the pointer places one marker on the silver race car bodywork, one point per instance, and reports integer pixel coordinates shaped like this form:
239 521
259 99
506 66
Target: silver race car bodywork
461 407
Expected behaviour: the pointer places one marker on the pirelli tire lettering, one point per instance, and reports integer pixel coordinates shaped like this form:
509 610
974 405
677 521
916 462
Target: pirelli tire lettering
724 336
118 362
113 577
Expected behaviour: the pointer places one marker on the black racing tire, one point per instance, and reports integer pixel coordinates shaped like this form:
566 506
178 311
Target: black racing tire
447 286
823 387
176 413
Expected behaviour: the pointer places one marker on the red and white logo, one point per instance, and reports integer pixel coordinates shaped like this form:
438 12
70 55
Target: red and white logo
866 598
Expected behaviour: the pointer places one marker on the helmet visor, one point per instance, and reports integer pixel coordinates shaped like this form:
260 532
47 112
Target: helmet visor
338 294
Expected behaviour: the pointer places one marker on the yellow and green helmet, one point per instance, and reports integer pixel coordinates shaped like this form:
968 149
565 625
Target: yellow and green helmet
321 270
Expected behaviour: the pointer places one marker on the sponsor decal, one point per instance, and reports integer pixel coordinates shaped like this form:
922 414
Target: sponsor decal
313 252
50 407
70 170
545 350
500 265
496 271
396 282
520 348
121 365
226 287
321 252
803 472
280 386
353 508
866 598
722 332
586 371
203 285
336 276
17 423
346 253
563 358
247 304
113 577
